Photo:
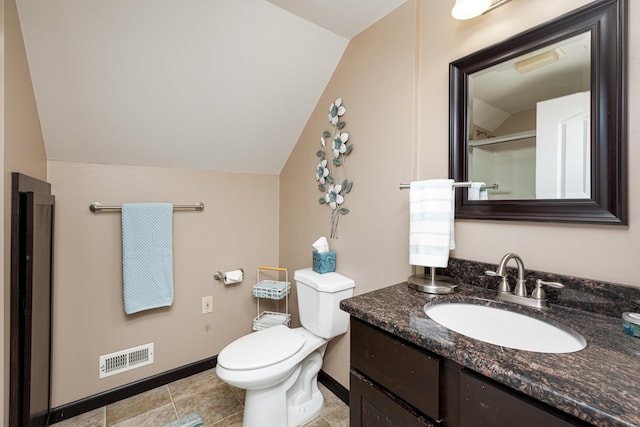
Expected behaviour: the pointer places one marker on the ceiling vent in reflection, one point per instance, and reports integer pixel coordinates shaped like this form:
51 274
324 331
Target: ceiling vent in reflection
538 61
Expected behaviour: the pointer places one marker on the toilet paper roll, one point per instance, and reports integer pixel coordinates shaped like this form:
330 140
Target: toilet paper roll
234 276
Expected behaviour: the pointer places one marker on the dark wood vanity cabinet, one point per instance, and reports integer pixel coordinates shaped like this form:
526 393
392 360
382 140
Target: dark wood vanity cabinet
398 366
395 383
485 403
373 406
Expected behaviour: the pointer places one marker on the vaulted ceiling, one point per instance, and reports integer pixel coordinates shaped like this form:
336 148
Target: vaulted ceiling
224 85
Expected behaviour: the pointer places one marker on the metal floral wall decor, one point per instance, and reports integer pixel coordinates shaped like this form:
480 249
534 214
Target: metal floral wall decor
332 170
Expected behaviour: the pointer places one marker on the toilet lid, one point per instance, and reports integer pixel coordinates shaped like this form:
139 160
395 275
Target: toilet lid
261 348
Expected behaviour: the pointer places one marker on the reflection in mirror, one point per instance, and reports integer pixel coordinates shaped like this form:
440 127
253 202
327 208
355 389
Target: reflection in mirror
529 123
543 115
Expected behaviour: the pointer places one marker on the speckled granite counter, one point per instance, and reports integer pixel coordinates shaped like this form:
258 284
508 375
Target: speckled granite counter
599 384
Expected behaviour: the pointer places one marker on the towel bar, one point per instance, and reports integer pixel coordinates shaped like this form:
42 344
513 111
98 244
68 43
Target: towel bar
97 207
455 185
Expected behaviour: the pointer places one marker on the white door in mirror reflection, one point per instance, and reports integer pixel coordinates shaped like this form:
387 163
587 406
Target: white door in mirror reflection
563 157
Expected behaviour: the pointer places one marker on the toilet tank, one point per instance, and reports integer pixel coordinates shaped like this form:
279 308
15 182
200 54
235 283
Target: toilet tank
319 297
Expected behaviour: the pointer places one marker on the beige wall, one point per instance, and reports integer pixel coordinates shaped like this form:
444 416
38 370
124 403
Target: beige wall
597 252
383 118
375 78
22 150
238 228
394 81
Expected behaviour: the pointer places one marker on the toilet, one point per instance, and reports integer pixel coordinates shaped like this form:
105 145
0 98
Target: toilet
279 366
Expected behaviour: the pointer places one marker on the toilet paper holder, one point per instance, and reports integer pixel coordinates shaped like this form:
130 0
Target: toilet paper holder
219 275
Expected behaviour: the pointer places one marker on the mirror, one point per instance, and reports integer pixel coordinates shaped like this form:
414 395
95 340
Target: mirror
513 140
542 115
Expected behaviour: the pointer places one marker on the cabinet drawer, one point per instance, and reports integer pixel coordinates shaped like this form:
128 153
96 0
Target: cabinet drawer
484 403
371 406
406 371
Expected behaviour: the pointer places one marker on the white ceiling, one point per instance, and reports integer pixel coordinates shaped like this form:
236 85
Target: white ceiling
346 18
224 85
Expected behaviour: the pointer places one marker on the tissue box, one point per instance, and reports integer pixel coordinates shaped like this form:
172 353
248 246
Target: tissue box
324 262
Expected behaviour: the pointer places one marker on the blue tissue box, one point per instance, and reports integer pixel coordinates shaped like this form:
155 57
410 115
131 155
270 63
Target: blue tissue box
324 262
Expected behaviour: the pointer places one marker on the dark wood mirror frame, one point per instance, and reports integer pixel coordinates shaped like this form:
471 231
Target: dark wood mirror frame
606 19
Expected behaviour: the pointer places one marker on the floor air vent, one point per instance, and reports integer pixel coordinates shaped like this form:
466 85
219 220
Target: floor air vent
125 360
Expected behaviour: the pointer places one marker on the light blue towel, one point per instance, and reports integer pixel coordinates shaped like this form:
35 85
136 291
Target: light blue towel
147 256
431 212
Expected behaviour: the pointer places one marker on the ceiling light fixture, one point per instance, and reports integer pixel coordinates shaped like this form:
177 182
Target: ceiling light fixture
467 9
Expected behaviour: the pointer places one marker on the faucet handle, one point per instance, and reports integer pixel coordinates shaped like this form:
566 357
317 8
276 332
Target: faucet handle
539 294
504 284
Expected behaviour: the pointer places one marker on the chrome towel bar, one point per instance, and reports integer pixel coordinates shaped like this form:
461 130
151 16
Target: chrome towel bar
456 185
97 207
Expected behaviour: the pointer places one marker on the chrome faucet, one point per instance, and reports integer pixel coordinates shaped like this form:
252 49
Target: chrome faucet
538 298
520 289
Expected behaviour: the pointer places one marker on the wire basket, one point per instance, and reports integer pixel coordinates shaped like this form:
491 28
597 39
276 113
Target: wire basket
271 289
267 319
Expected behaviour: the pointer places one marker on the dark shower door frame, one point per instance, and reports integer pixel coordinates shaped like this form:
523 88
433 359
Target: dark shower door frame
32 214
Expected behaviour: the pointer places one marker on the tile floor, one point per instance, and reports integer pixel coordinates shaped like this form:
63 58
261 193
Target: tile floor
217 403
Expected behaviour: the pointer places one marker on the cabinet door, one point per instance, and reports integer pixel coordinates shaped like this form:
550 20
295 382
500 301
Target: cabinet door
483 403
371 406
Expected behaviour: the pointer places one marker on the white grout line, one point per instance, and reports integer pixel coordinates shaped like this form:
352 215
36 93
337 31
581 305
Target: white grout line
173 403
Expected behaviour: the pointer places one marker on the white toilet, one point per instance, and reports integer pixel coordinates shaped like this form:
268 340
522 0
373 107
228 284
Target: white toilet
279 366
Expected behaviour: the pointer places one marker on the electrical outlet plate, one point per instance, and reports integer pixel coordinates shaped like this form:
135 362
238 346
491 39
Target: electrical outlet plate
207 304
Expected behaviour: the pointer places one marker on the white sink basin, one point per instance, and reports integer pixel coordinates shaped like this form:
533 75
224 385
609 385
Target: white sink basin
506 328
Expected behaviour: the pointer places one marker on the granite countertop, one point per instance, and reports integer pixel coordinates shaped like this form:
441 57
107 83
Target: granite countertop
599 384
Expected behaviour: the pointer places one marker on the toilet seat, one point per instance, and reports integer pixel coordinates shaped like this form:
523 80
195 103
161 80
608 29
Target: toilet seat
261 349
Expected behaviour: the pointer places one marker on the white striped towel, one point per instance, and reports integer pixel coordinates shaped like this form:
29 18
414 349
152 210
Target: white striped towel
477 191
147 256
431 211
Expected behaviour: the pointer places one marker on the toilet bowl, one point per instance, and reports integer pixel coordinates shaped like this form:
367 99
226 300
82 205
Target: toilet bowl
269 378
278 367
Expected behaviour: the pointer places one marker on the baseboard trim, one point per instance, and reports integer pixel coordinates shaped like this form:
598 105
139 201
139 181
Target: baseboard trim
334 386
96 401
